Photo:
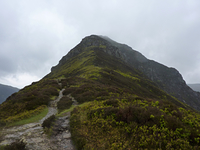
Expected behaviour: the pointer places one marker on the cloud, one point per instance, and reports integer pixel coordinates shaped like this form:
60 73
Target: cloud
19 80
34 35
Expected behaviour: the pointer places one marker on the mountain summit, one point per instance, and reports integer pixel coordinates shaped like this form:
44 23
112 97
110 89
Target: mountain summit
109 46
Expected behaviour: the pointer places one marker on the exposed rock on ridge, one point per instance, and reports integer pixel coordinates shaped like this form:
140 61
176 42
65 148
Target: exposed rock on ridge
167 79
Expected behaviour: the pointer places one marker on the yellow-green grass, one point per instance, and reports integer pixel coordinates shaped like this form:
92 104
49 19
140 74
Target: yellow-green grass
71 108
53 97
32 119
2 147
61 77
128 75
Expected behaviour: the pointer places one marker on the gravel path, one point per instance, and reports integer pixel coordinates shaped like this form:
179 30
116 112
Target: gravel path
33 134
53 107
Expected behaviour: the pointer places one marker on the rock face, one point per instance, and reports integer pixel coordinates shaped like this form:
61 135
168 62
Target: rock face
167 79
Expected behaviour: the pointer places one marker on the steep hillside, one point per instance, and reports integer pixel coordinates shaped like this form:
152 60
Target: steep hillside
195 87
6 91
167 79
121 106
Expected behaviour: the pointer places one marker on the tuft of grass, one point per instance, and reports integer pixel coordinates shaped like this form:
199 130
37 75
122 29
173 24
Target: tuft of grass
17 145
61 77
61 114
64 103
53 97
2 147
48 125
128 75
48 122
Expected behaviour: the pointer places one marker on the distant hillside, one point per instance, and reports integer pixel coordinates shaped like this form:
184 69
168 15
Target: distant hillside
195 87
6 91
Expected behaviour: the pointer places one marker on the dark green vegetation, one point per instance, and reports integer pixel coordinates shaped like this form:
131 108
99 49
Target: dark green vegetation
121 107
18 145
48 124
64 103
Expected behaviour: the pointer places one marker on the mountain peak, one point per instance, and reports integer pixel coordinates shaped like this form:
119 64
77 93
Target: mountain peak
167 79
109 46
122 51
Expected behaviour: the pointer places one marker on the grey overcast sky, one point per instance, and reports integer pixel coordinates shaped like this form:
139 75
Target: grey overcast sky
35 34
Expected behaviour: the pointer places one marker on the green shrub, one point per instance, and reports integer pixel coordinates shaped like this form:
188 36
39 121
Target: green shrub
75 123
48 122
112 102
2 123
101 94
104 112
142 116
64 103
18 145
173 123
194 137
69 90
84 97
